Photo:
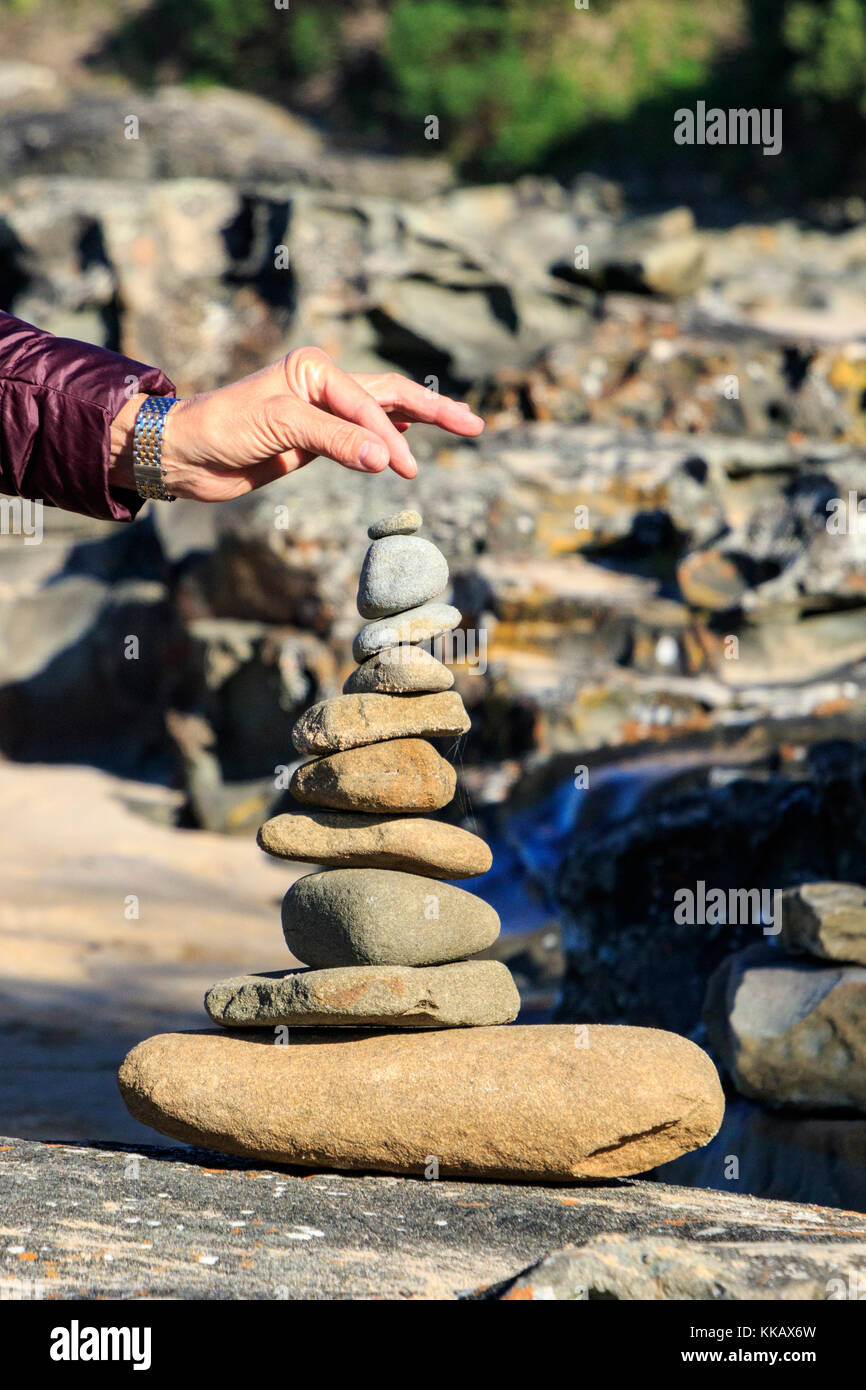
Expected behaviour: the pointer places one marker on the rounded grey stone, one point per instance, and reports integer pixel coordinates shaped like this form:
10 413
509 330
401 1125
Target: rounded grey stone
471 993
400 572
415 625
399 671
383 917
397 524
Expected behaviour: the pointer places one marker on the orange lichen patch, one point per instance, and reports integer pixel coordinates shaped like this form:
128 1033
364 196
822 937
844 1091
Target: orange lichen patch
26 1255
526 637
830 707
847 375
569 1201
347 996
516 1295
4 1148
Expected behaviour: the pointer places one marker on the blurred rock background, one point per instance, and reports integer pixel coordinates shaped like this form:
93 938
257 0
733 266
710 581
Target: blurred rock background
656 545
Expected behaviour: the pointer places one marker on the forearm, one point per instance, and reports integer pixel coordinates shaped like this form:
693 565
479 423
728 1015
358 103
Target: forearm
58 401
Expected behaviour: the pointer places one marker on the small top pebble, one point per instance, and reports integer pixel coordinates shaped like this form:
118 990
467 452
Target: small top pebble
404 523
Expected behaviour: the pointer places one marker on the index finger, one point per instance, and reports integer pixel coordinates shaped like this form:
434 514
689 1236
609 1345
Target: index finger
312 373
419 404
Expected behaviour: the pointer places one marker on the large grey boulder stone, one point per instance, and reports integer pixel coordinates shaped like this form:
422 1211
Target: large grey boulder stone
790 1034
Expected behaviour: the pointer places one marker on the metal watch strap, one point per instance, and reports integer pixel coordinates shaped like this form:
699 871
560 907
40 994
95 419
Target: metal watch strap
147 447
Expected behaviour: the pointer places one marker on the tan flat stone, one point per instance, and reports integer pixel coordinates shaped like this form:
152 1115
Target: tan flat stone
344 839
399 671
351 721
404 774
467 994
403 523
542 1103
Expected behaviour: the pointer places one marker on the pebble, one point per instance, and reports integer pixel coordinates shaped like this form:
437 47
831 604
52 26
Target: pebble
404 774
345 839
397 524
400 572
383 917
351 721
415 625
399 670
462 995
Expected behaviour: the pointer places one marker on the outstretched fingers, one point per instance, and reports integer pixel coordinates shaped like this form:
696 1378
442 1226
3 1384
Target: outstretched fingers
293 424
314 377
418 404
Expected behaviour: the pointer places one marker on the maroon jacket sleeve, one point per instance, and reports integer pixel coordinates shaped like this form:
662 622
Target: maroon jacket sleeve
57 400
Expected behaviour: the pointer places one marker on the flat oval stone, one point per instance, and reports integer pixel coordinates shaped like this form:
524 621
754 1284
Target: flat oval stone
397 524
400 572
345 839
399 670
351 721
499 1103
471 993
415 625
404 774
383 917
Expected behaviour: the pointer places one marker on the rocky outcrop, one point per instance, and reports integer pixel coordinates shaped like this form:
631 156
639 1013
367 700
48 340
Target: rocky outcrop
112 924
790 1034
785 1022
826 921
665 830
332 1235
780 1153
657 1268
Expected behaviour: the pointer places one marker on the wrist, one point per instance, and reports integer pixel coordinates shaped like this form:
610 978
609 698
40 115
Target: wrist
120 443
178 468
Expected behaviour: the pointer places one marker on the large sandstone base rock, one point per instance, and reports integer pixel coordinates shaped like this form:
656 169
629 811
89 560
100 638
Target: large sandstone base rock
543 1103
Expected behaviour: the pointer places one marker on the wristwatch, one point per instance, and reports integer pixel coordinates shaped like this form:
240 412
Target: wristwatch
147 447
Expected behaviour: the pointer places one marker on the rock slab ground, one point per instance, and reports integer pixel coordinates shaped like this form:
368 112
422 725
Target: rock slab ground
145 1222
543 1103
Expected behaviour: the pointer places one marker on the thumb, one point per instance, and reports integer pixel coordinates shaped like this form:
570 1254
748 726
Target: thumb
297 424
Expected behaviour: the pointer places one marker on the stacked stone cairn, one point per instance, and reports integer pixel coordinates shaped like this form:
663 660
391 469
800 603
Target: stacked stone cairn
387 941
393 1056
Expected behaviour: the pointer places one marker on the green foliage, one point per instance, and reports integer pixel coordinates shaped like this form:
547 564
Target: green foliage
523 85
509 82
259 47
830 42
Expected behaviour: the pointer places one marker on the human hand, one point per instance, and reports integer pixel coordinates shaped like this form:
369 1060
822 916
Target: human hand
220 444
